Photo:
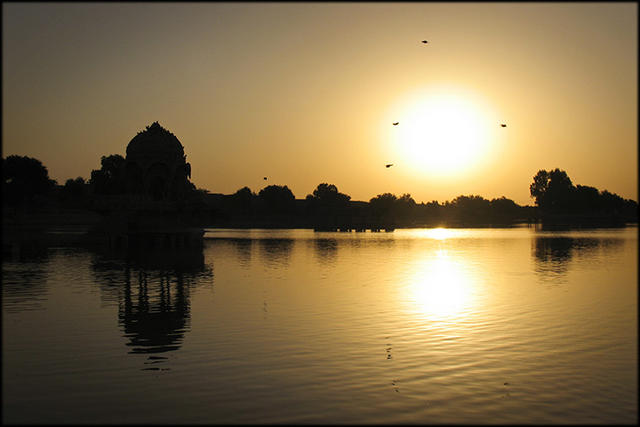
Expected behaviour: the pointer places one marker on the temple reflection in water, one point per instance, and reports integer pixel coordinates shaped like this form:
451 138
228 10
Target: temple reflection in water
152 288
154 312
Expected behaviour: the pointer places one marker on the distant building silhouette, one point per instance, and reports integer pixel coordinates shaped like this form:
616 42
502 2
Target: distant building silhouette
156 165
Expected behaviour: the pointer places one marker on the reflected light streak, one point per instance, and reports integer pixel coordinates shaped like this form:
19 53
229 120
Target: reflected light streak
441 288
439 233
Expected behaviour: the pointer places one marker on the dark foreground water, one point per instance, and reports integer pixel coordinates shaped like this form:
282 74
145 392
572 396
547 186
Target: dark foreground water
291 326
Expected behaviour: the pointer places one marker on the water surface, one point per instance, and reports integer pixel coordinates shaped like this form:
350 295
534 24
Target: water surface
290 326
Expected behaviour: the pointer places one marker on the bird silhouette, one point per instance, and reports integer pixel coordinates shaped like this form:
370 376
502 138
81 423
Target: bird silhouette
389 165
395 123
503 125
265 178
425 42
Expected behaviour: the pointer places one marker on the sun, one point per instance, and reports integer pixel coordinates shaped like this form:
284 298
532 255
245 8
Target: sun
442 133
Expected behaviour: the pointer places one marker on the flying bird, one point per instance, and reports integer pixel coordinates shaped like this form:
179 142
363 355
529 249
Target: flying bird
389 165
503 125
265 178
395 123
425 42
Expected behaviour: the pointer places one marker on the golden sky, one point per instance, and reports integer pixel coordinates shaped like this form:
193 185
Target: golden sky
306 93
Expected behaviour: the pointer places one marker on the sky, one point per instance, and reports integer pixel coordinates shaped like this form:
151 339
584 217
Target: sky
307 93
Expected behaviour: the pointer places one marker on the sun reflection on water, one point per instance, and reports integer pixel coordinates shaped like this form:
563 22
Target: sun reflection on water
439 233
441 288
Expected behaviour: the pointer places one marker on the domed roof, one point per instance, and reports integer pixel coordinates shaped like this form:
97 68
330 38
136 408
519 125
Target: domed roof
154 139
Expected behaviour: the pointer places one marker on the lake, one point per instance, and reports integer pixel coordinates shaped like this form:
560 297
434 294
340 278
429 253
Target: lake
502 325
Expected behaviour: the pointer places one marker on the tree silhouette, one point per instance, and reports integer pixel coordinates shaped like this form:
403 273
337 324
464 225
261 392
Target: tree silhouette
471 203
503 208
538 189
587 199
560 190
110 178
75 191
470 208
611 203
382 206
277 199
552 191
405 207
327 195
243 200
24 178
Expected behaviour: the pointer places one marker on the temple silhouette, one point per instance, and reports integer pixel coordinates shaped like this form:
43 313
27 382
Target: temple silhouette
156 166
150 212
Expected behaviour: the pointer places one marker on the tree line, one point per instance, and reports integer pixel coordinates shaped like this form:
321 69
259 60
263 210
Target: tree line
326 205
554 194
26 183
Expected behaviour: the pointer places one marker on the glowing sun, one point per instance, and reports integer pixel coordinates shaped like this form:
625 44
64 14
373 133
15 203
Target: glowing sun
443 133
